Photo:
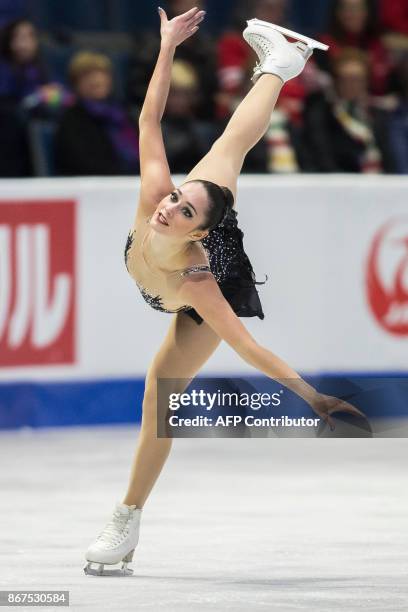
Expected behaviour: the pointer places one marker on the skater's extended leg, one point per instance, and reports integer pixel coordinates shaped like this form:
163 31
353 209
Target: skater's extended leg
184 351
249 123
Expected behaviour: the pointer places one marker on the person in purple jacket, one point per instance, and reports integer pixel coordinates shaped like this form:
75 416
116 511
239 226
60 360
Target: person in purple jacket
22 71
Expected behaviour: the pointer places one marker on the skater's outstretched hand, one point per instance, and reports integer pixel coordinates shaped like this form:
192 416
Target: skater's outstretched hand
178 29
325 405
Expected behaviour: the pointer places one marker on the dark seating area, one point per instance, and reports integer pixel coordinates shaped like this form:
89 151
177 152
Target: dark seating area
367 89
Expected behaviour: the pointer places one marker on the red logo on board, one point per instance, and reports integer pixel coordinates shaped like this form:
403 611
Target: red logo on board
37 282
387 276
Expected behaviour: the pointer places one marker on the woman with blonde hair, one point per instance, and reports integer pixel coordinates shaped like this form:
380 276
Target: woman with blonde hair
95 136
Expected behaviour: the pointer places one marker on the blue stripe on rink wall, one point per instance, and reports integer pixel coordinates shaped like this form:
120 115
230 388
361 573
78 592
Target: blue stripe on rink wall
43 404
54 404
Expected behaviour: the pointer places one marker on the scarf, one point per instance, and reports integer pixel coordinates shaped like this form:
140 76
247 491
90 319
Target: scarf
357 125
281 154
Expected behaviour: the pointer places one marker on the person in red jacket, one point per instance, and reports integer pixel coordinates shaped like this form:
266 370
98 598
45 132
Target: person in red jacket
354 24
235 62
394 15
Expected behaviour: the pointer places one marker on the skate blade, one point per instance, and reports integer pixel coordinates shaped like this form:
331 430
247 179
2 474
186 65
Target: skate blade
100 571
310 42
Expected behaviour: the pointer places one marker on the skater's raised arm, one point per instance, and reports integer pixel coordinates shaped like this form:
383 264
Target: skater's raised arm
202 292
154 169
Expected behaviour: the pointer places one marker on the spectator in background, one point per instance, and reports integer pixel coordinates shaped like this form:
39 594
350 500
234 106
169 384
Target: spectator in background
394 15
186 138
95 136
22 70
354 24
21 73
399 119
24 78
199 51
344 132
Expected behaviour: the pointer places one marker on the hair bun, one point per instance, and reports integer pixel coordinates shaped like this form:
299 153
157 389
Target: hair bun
228 196
228 204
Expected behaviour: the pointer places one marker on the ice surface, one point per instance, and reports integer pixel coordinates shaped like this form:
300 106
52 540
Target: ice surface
232 524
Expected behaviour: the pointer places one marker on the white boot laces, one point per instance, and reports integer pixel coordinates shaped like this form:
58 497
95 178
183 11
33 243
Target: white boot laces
116 530
262 47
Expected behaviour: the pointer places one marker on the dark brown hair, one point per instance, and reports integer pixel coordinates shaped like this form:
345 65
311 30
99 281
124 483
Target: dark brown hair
7 36
220 202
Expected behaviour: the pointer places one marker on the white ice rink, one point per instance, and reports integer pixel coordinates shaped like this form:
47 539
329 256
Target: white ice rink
280 525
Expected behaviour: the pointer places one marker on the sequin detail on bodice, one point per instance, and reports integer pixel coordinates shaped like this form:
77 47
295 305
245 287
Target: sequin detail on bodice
156 301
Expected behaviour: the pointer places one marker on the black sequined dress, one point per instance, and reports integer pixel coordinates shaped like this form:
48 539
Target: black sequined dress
230 266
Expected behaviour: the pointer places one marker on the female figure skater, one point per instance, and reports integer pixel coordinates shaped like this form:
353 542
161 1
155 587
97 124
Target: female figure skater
185 253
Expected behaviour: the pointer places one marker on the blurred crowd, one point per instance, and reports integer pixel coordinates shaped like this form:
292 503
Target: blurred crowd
69 106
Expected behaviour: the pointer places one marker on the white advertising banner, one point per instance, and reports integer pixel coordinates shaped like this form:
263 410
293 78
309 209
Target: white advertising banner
335 250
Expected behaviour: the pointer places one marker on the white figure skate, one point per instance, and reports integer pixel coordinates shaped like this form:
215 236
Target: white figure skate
276 54
116 543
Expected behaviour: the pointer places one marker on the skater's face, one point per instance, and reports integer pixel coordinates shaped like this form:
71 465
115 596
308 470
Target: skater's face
352 15
182 212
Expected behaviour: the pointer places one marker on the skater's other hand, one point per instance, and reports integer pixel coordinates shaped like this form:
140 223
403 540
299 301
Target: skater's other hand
325 405
178 29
